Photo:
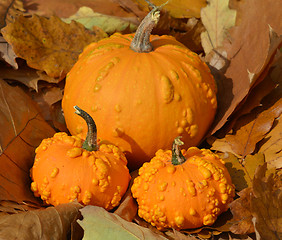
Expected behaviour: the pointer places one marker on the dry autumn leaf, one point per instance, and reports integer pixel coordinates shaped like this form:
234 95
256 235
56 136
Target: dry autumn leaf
9 9
7 53
110 24
66 8
48 44
252 128
22 129
271 146
266 205
242 216
50 223
177 8
217 18
100 224
247 57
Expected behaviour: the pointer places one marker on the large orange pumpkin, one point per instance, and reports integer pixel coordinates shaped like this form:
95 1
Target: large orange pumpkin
143 91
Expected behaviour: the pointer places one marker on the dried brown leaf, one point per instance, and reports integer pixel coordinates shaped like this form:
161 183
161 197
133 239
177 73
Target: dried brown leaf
7 53
242 216
252 128
50 223
266 205
25 75
249 58
22 129
66 8
9 10
271 146
48 44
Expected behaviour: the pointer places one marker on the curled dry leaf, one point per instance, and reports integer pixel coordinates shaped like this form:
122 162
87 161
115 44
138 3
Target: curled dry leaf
7 53
50 223
100 224
9 10
22 129
48 44
247 57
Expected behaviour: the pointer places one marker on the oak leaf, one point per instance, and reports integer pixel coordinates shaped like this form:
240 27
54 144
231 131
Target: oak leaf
271 146
22 130
252 128
50 223
217 18
48 44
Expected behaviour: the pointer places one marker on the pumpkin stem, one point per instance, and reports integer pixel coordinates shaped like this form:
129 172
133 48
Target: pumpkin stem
177 156
141 41
90 143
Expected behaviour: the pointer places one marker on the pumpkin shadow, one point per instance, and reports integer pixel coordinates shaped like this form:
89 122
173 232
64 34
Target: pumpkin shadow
224 95
133 161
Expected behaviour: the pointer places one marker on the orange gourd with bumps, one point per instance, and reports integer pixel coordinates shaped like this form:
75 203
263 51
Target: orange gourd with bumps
183 189
144 91
68 169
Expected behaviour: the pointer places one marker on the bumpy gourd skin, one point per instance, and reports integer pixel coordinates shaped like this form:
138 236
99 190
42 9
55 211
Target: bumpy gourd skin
141 101
183 196
63 172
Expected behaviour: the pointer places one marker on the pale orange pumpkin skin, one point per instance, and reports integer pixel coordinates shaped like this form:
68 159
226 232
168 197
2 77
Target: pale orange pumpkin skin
141 101
183 196
64 172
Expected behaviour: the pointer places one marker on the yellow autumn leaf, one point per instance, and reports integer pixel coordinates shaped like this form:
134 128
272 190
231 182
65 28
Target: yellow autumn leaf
48 44
217 18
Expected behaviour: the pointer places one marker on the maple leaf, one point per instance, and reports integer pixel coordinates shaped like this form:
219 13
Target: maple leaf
48 44
22 129
217 18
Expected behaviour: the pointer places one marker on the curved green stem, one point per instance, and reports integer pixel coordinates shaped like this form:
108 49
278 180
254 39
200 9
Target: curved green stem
90 143
177 156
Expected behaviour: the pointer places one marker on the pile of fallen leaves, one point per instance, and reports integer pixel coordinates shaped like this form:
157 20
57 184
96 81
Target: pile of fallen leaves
240 41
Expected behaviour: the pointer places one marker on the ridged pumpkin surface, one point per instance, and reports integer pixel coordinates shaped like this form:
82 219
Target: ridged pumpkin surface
141 101
183 196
